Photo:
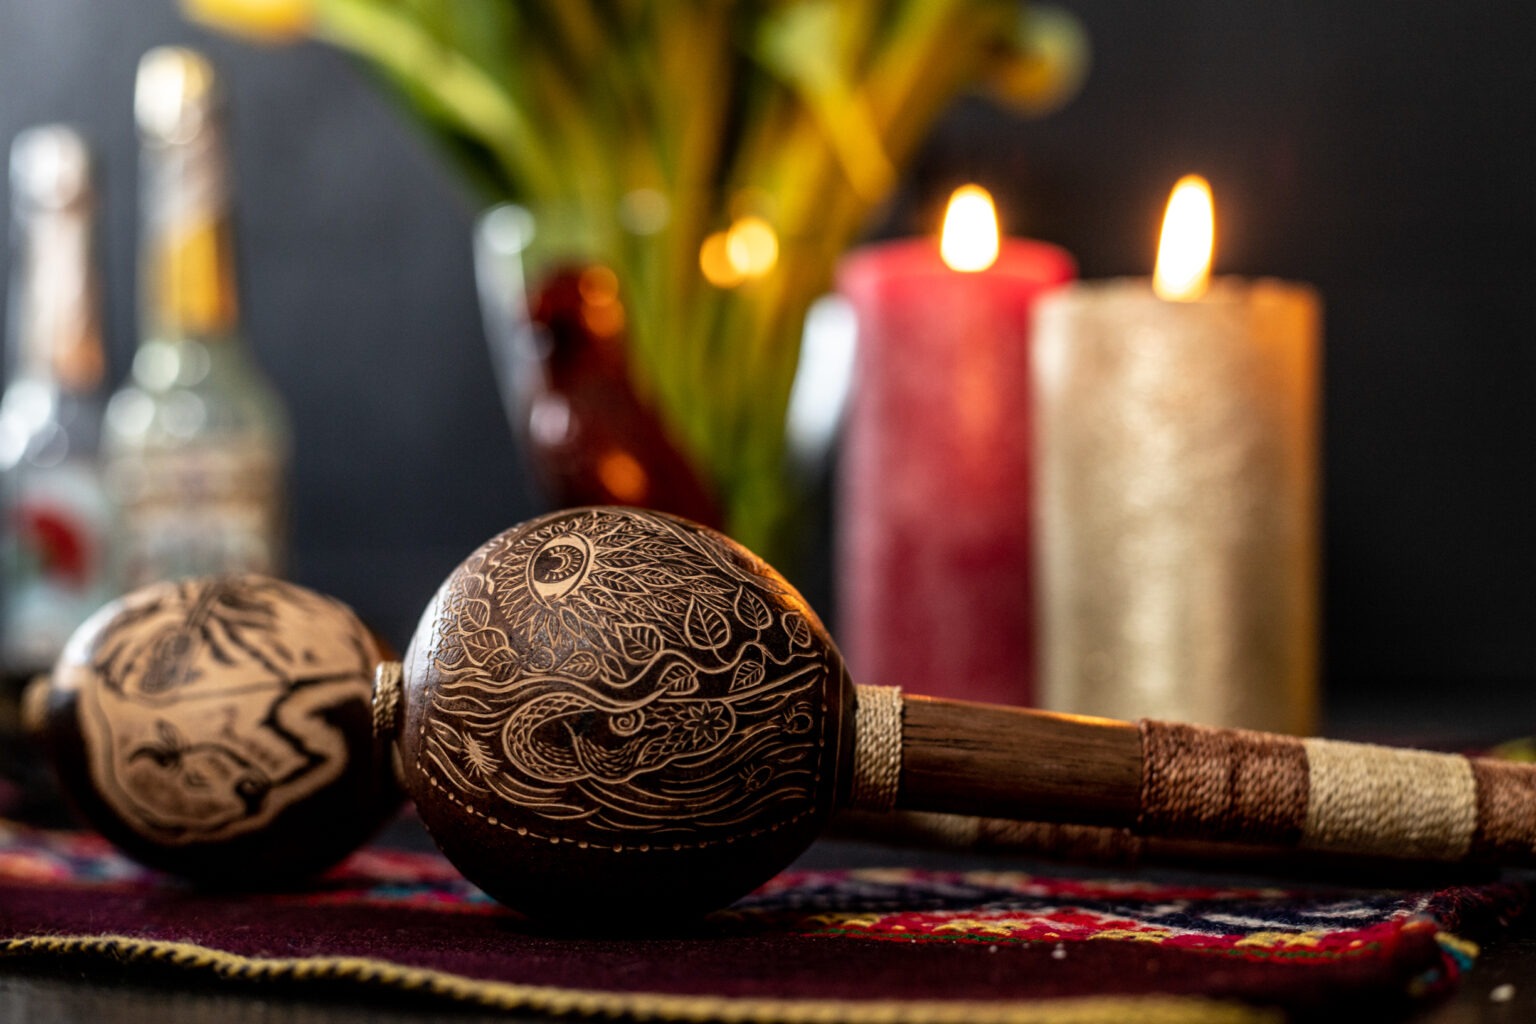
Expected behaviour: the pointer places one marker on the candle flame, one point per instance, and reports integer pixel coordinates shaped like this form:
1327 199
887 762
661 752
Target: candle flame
969 241
1189 233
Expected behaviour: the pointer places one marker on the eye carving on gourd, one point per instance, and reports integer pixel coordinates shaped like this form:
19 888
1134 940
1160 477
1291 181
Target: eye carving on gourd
559 566
650 665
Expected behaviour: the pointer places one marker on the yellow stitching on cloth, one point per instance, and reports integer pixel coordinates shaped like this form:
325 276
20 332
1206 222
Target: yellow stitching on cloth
1386 802
876 748
563 1001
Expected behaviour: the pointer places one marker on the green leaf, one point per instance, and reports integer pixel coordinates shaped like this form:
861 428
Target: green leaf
799 43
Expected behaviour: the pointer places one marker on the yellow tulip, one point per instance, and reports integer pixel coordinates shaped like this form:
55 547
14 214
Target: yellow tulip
276 21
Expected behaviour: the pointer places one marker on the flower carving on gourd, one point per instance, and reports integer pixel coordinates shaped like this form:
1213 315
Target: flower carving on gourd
707 723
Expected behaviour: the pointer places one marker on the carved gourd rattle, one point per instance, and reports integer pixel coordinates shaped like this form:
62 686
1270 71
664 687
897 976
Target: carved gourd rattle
220 729
609 708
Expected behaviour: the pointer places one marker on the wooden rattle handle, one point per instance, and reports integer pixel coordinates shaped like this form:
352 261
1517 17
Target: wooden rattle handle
1192 782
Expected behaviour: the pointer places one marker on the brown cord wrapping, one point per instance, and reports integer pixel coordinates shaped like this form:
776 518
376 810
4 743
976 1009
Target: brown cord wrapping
1506 812
1222 784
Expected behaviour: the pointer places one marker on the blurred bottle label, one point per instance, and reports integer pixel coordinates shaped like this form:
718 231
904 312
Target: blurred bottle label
207 509
57 569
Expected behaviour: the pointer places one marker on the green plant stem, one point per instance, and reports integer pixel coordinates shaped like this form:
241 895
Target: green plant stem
699 107
801 112
478 106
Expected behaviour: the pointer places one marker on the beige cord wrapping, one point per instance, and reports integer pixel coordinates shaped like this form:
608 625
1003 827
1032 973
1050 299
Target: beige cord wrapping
876 748
1398 803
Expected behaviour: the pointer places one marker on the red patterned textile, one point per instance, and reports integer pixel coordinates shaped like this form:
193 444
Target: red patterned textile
857 944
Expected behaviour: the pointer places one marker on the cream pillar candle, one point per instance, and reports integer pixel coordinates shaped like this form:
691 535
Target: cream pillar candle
1176 483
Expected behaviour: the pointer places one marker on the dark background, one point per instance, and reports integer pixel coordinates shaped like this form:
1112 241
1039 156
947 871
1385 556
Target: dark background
1386 153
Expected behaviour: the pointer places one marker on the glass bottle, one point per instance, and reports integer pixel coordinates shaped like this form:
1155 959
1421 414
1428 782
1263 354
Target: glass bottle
197 441
55 559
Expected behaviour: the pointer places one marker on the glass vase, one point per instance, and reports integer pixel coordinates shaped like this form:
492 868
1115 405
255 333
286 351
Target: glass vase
561 353
620 396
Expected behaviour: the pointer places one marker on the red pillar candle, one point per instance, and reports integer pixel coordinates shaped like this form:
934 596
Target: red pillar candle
934 509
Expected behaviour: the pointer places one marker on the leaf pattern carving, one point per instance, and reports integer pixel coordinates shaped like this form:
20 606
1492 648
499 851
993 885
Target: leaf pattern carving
622 583
704 627
652 576
476 613
640 641
501 665
680 679
582 665
485 646
748 674
798 629
751 610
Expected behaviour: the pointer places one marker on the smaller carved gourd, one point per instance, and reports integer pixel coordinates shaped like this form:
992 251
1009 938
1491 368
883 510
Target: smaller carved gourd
220 729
